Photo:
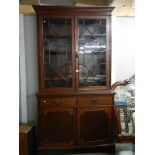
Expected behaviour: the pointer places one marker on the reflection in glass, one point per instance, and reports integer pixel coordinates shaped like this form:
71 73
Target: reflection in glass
92 52
57 52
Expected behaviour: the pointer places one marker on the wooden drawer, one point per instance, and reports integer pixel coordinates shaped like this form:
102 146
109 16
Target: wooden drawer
89 101
58 102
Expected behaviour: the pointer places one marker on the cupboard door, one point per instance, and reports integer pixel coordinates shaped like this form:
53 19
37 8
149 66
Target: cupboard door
93 52
57 52
59 126
94 125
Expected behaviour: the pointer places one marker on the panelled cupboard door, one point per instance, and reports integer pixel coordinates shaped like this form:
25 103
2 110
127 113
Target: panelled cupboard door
58 127
94 125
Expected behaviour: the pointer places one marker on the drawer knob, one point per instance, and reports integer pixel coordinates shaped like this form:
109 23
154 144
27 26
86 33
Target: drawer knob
57 102
94 101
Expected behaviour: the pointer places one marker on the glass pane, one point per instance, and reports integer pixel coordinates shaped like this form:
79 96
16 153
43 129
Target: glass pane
57 52
92 52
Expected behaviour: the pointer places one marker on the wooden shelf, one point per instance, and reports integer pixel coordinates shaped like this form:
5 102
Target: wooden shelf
58 37
55 79
54 52
88 35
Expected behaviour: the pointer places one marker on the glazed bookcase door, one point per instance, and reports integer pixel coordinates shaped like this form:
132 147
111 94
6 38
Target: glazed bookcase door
93 52
57 53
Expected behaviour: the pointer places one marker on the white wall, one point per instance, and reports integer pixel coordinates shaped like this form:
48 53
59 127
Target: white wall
123 48
30 32
28 68
22 73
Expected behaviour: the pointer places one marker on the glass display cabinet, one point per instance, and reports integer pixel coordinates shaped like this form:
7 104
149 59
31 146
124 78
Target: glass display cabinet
75 97
125 109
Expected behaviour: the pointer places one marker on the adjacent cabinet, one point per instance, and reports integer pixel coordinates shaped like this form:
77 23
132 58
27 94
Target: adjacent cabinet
75 99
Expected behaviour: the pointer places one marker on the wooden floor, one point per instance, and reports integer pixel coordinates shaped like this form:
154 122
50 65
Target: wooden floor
121 149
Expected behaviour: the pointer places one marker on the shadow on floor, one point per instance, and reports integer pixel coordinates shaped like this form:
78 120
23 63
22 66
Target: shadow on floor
121 149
